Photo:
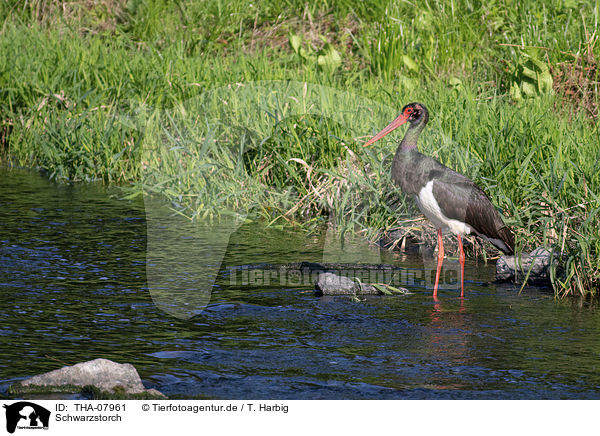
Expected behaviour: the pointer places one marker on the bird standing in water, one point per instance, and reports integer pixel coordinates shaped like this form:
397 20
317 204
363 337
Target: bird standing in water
448 199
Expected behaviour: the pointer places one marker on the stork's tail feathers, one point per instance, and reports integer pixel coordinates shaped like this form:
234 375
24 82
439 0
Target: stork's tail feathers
509 239
504 240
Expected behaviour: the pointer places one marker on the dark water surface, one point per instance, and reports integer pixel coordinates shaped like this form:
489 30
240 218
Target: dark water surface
74 287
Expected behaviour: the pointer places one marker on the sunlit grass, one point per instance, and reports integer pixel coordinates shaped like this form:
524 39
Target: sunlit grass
205 103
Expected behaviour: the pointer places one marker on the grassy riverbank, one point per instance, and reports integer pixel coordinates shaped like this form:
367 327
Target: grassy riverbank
261 108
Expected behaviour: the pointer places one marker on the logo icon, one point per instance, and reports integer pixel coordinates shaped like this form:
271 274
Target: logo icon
26 415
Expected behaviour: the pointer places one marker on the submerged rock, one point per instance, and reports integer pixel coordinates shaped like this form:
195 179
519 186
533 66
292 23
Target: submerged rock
536 264
328 283
332 284
103 375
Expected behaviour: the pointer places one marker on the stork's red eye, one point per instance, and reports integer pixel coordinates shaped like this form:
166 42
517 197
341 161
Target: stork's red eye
409 110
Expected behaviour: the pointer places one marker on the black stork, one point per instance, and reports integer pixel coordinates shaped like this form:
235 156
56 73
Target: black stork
448 199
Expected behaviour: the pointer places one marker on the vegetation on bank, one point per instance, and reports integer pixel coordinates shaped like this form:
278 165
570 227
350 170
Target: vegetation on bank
260 108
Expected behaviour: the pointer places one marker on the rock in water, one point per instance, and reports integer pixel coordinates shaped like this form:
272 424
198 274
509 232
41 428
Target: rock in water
511 268
332 284
104 374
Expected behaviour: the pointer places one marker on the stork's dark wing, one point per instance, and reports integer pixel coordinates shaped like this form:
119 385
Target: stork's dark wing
461 199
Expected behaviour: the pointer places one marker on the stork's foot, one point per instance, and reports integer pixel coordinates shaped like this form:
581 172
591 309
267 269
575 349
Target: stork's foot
440 261
461 259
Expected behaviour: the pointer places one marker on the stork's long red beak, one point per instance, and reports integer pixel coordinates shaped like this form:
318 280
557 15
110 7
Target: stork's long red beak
390 127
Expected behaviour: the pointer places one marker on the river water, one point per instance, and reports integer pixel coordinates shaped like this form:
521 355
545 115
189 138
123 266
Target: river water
81 278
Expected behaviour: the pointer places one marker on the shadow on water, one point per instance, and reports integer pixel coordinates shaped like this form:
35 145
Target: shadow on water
73 282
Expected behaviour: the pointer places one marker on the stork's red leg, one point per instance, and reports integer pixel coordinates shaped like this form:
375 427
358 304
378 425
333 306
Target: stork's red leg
461 259
440 260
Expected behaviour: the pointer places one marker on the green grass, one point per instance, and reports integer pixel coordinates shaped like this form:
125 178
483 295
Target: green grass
207 104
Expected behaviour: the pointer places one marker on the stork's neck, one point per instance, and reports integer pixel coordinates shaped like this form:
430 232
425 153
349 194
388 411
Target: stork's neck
409 142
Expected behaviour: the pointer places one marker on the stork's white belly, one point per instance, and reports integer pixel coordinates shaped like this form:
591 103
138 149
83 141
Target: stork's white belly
431 209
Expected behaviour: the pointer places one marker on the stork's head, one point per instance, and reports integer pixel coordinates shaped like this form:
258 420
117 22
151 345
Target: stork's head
414 113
